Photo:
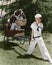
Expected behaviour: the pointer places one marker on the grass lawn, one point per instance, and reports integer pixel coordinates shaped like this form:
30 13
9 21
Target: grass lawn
14 53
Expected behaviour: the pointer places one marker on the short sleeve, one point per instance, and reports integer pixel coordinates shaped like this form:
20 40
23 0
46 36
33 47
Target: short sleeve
32 26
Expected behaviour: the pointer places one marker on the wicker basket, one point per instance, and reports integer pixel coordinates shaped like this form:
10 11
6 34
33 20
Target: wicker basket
21 22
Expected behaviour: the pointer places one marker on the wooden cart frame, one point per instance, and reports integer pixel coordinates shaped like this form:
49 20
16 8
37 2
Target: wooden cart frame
11 33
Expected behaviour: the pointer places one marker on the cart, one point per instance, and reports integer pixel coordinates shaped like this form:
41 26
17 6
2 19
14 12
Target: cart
19 35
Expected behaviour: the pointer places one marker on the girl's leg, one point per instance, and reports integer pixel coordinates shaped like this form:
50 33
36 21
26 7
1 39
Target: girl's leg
31 47
44 50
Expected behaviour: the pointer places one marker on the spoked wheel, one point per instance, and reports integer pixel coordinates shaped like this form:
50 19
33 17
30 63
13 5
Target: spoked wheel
22 41
6 40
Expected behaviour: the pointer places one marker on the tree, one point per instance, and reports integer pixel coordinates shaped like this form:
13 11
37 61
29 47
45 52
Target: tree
31 7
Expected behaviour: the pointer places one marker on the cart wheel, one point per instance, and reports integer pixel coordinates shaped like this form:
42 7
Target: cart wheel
6 40
22 42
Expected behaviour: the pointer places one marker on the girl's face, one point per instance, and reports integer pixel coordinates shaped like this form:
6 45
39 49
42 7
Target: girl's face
38 20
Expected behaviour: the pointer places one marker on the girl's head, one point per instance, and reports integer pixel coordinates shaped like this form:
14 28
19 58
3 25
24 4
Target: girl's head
38 18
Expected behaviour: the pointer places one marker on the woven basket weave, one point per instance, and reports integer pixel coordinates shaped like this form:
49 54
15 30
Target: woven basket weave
21 22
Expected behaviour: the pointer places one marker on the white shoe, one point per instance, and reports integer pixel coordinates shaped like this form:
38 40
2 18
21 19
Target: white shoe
45 59
50 61
28 54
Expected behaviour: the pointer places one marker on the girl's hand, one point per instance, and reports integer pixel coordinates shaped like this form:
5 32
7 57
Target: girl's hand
32 40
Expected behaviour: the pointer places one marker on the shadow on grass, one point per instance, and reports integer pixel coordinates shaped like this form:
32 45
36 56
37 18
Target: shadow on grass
17 52
30 56
48 42
9 46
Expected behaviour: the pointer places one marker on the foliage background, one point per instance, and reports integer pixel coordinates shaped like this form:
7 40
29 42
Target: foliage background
30 7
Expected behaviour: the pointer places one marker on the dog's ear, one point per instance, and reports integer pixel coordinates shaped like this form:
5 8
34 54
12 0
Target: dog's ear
12 19
17 12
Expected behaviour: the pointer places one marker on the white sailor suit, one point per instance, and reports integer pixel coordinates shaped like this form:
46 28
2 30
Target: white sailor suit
38 40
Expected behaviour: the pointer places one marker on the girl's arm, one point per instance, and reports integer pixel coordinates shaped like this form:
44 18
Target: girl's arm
32 34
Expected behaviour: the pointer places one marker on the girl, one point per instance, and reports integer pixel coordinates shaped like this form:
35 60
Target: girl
36 38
